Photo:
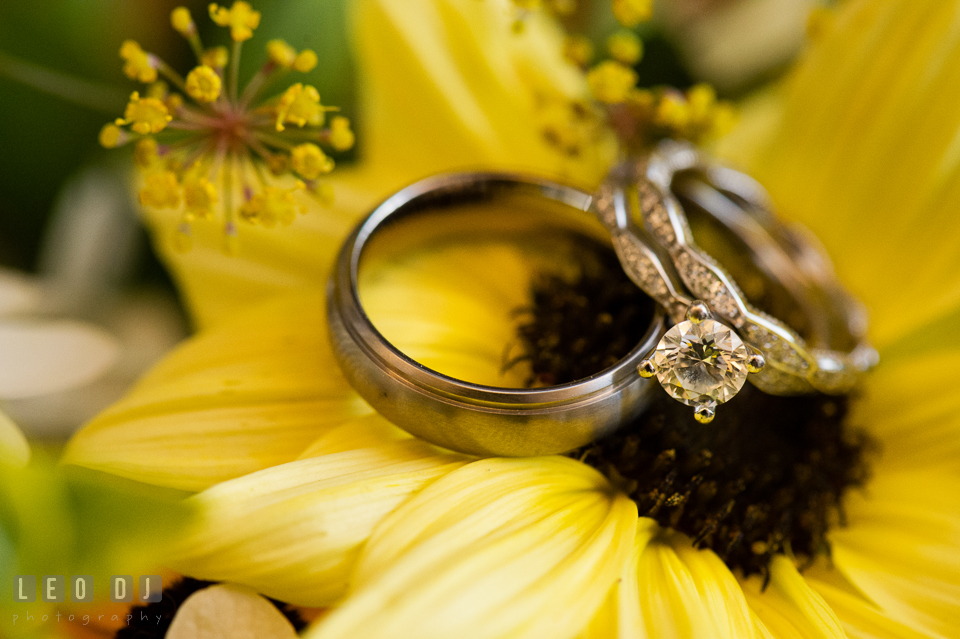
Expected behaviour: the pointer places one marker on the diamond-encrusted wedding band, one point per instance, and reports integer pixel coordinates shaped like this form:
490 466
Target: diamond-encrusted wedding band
836 352
460 415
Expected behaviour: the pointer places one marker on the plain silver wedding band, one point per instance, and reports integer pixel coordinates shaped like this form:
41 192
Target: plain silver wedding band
459 415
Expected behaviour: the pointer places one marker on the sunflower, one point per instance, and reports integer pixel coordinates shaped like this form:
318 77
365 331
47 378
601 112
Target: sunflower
308 496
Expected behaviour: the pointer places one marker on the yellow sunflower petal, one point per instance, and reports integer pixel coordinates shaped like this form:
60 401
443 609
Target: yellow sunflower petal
294 531
253 394
670 589
620 615
451 86
499 548
421 302
916 428
860 618
867 156
789 607
362 432
900 548
14 449
689 593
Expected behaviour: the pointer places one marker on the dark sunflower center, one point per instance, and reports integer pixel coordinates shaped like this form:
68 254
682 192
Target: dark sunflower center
767 475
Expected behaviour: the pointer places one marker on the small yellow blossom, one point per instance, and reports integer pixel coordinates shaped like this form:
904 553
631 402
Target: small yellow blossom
578 49
281 53
110 136
241 18
341 137
309 161
558 128
145 153
630 13
625 47
306 61
199 196
300 105
215 57
203 84
673 111
145 115
272 206
611 82
182 21
139 64
161 190
701 99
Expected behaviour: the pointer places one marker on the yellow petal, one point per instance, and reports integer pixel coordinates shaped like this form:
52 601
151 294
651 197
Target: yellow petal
900 548
294 531
670 589
420 301
362 432
229 612
860 618
451 86
689 593
789 607
620 614
916 423
252 394
446 85
867 156
499 548
14 449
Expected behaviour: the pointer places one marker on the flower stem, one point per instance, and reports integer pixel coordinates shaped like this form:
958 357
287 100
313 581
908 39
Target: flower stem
235 70
92 95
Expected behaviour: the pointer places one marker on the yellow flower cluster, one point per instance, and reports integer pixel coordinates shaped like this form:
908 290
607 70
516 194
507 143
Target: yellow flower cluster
203 142
641 116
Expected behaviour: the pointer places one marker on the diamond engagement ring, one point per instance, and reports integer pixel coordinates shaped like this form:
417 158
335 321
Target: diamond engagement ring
719 334
457 414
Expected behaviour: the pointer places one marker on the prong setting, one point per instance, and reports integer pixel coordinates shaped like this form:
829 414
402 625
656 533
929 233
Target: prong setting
647 368
756 361
698 312
705 412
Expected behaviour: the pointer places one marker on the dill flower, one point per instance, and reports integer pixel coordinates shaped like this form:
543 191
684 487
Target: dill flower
209 148
307 495
639 116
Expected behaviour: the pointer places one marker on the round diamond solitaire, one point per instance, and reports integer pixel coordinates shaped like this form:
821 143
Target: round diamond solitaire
701 364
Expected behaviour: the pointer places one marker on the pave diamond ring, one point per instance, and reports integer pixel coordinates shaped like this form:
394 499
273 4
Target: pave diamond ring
719 334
